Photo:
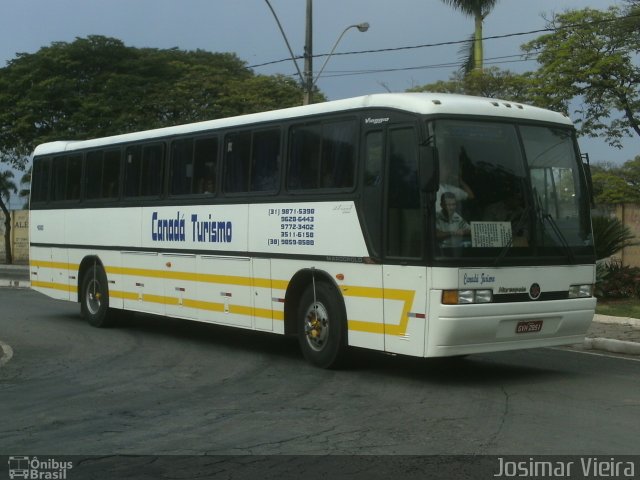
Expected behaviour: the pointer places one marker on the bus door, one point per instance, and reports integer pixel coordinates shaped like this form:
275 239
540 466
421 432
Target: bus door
404 273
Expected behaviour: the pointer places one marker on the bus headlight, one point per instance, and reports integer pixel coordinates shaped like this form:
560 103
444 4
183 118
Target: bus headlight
581 291
463 297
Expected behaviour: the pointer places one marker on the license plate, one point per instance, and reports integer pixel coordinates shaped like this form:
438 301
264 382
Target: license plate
530 326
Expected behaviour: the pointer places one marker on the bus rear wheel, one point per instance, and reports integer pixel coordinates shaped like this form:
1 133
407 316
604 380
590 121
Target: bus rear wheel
94 298
322 326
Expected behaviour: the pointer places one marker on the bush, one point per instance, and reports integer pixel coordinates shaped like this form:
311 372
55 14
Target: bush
614 280
610 235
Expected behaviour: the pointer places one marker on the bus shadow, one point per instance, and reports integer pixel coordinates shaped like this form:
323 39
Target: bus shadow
233 339
481 369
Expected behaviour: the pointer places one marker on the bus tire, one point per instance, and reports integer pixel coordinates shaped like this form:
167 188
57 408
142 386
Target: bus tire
322 326
94 298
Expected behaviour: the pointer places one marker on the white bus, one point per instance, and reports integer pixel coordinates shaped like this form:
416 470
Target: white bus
418 224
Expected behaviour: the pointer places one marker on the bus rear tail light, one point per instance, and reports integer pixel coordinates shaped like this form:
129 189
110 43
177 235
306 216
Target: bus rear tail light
463 297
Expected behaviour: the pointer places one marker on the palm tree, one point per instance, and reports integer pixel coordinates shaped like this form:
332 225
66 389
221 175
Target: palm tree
478 9
25 188
7 186
610 235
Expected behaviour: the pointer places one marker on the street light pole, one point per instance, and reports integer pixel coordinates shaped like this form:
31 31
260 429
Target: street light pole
362 27
307 80
308 56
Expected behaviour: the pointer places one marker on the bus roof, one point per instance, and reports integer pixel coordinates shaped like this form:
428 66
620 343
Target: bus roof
420 103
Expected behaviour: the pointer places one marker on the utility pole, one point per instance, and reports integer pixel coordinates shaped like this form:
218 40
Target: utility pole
308 55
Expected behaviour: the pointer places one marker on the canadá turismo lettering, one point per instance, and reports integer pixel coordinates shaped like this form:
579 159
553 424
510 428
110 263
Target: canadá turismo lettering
175 229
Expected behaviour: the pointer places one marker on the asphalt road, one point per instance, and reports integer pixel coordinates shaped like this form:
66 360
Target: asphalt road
159 386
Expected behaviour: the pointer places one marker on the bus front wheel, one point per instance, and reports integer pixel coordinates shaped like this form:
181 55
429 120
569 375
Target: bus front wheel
322 330
94 300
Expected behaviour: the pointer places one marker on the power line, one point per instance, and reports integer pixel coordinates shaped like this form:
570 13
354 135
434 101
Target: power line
488 61
457 42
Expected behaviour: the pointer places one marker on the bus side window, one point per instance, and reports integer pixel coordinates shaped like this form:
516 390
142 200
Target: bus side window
337 167
143 170
237 162
67 171
181 167
152 163
304 157
111 174
373 188
93 175
265 161
205 164
404 220
40 180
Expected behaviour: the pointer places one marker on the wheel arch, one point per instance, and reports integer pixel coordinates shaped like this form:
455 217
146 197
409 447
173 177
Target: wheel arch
297 285
86 263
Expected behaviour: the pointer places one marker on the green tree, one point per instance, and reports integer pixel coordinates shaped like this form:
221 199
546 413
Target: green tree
97 86
478 9
589 59
7 187
616 184
491 82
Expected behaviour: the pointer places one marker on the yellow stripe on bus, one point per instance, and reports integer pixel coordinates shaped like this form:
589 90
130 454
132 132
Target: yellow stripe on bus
405 296
58 265
55 286
201 305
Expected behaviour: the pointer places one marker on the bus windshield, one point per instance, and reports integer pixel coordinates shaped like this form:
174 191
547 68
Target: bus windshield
509 192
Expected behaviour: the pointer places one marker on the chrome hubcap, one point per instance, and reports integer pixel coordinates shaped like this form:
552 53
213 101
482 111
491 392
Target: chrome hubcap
93 297
316 326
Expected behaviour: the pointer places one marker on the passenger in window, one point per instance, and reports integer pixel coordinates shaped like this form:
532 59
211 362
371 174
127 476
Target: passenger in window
451 182
206 186
209 186
451 228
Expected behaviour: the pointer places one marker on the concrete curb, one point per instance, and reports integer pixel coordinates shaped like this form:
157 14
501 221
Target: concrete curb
6 353
612 345
617 320
4 283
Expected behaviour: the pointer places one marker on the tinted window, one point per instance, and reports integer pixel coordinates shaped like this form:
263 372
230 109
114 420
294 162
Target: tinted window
67 172
404 221
193 166
143 171
265 161
236 162
40 180
252 161
102 175
322 156
304 157
373 188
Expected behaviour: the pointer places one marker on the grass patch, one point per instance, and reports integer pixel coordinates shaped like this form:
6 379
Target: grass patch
624 307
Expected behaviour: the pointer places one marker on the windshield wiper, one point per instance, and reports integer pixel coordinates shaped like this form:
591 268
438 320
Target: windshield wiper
554 226
524 218
559 234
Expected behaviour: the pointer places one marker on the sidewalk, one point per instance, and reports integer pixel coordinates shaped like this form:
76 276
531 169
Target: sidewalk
611 334
14 276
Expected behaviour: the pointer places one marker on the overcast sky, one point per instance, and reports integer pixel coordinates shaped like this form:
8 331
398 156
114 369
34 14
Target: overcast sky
248 28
